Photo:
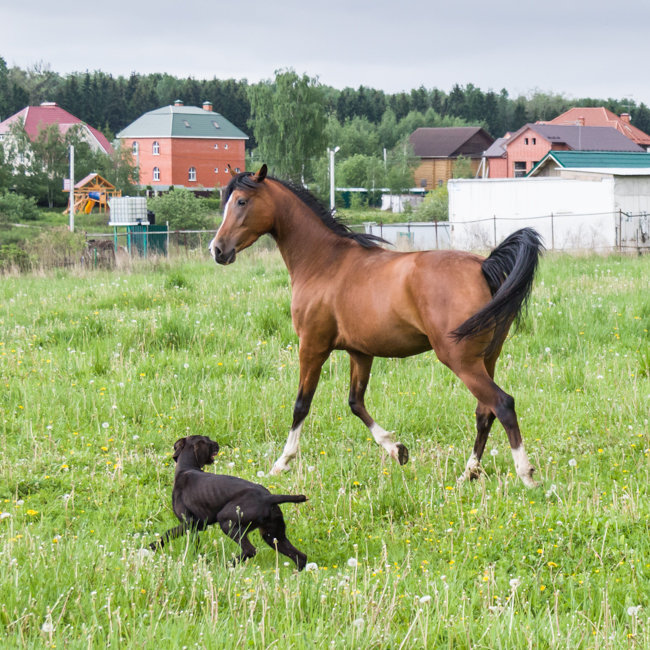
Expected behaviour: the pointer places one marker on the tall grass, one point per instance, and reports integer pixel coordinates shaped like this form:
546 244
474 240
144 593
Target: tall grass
102 372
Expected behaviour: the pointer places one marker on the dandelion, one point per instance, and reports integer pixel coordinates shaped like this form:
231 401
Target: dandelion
4 515
260 474
105 425
143 553
48 626
493 452
231 464
573 462
425 599
32 513
634 610
353 562
311 566
358 623
186 366
514 583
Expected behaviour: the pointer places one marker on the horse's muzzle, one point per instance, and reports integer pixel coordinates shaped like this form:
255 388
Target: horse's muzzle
223 257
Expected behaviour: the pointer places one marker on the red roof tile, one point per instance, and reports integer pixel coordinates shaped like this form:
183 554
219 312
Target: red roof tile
600 116
37 117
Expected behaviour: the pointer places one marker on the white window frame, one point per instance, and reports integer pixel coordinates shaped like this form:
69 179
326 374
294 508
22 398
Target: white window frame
155 148
156 174
191 175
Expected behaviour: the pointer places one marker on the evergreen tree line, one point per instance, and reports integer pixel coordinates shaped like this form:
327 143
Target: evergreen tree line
111 103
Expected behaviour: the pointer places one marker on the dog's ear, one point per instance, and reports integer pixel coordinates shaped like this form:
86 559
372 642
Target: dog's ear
202 452
178 447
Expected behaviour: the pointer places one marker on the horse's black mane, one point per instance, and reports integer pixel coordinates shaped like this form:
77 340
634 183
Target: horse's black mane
244 181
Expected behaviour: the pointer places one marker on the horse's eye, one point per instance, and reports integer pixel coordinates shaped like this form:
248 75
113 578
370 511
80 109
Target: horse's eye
241 201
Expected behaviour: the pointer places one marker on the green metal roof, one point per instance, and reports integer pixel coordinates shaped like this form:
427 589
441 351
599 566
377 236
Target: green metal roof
182 122
597 159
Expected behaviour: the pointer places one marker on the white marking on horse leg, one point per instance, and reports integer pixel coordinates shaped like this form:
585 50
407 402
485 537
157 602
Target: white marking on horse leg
523 467
289 452
225 216
472 469
385 439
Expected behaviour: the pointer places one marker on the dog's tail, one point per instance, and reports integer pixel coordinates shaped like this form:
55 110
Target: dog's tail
285 498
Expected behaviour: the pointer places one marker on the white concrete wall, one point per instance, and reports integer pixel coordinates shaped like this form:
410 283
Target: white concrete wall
583 211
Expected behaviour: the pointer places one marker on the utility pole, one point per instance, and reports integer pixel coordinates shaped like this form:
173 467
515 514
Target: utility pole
332 152
71 188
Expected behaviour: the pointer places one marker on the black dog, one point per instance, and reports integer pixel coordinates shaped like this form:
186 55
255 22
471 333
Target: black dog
201 499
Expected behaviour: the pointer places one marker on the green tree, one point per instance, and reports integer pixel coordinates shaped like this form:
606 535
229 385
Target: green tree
288 123
435 206
182 210
462 168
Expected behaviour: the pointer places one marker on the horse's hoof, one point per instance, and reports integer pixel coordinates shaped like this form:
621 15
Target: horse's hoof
276 470
402 454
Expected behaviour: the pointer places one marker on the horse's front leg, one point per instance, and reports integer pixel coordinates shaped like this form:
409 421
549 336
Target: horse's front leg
360 365
310 366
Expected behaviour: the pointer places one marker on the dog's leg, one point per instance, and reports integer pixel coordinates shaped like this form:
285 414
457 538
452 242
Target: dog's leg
276 538
238 531
178 531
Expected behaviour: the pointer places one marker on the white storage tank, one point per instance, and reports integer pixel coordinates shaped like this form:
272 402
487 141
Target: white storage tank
128 211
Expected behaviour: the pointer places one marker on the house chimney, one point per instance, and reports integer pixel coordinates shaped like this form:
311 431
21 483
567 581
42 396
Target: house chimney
581 121
207 106
48 104
178 102
625 117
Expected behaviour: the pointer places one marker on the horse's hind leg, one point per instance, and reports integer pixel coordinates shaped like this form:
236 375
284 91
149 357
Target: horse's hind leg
484 420
501 405
310 367
360 365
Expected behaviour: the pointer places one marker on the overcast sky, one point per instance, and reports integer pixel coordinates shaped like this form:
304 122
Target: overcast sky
578 48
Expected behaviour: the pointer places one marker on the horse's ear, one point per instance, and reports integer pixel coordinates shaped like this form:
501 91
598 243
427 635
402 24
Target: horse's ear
261 174
231 171
178 447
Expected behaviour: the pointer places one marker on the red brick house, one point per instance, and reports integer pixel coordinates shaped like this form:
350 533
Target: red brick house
516 154
600 116
185 146
36 118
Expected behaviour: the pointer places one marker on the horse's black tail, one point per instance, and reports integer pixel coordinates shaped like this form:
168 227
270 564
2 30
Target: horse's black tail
285 498
509 271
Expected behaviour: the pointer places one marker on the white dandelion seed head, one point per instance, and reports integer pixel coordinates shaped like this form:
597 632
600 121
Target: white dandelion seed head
4 515
634 610
260 474
358 623
310 468
493 452
514 583
143 553
547 350
425 599
353 562
231 464
186 366
573 462
311 566
105 425
48 626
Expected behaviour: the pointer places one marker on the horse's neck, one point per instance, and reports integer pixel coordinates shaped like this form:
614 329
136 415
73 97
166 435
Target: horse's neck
305 242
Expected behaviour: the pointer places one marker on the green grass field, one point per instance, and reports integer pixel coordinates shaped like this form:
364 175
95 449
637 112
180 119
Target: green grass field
102 371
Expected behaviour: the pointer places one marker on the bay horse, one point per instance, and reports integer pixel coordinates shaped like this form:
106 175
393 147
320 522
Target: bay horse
349 293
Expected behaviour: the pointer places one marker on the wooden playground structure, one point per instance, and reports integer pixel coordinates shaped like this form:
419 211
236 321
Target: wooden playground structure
93 191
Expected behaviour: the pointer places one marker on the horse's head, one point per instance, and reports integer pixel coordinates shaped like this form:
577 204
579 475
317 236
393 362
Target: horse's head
246 216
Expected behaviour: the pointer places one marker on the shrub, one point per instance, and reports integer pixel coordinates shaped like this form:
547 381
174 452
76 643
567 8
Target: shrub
182 210
13 257
17 208
435 206
57 247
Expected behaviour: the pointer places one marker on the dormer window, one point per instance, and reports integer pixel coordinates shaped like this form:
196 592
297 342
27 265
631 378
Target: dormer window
187 124
155 148
215 124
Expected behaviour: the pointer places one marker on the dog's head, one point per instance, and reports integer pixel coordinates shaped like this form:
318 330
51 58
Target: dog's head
204 449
